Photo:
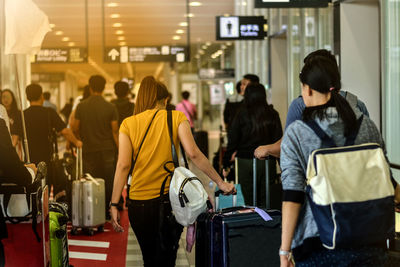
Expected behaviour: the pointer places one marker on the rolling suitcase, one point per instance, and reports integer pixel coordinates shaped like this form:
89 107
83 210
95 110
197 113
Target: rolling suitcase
238 236
88 201
58 219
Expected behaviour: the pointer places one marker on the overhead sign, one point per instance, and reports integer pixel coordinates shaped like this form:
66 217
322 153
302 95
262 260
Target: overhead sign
240 28
290 3
62 55
206 74
125 54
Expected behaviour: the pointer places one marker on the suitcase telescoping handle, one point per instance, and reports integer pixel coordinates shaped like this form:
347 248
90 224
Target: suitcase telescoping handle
79 164
267 192
219 192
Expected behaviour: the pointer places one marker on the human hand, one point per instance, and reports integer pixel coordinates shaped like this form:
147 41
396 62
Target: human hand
227 188
262 152
285 262
79 144
115 220
32 166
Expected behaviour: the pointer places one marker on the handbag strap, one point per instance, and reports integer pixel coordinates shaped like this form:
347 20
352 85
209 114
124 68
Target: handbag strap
173 150
190 114
141 144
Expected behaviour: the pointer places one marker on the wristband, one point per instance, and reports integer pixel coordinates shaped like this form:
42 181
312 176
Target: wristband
288 254
113 204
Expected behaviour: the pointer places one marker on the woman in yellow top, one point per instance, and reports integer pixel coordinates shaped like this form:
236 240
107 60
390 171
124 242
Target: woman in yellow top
149 173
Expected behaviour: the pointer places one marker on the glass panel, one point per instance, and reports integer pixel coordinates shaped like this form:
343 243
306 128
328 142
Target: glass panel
391 80
294 32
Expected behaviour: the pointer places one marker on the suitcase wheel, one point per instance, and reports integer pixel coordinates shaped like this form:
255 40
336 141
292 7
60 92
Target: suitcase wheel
74 231
60 233
100 229
90 231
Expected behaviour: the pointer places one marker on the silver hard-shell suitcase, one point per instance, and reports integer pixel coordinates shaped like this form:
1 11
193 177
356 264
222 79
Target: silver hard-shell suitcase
88 201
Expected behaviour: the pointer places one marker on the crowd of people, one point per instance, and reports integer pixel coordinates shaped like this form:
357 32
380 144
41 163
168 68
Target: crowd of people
119 139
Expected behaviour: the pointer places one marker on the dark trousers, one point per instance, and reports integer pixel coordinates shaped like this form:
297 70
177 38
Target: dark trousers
2 255
101 164
157 249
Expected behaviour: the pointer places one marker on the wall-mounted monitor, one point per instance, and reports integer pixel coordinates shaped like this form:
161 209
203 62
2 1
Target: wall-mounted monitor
290 3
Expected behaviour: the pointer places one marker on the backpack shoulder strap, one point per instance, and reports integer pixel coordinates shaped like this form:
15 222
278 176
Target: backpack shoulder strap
320 133
350 140
352 100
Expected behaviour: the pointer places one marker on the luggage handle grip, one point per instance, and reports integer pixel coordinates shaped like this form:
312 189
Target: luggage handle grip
219 192
90 177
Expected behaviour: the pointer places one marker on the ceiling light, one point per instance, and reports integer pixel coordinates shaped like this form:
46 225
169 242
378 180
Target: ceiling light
121 38
180 31
122 43
208 43
195 3
59 33
119 32
228 43
190 15
204 47
244 3
197 56
201 52
116 25
65 39
227 15
52 25
112 4
71 44
115 16
176 37
183 24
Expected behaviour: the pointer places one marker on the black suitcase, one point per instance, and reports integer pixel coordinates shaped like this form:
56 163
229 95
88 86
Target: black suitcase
201 139
238 236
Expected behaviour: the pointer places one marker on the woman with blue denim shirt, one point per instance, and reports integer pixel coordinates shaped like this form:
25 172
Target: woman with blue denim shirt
320 80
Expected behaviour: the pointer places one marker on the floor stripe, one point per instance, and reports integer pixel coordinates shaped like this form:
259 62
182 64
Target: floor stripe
86 243
88 256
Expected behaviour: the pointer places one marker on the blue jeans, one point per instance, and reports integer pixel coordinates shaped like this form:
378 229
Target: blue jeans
365 257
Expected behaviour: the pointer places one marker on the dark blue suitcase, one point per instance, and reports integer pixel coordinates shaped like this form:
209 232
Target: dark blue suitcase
237 237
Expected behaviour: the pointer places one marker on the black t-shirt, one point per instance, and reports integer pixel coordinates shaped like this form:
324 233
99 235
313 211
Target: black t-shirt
16 123
124 108
95 115
39 123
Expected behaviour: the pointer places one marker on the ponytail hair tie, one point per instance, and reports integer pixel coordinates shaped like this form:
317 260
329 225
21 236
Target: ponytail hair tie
331 89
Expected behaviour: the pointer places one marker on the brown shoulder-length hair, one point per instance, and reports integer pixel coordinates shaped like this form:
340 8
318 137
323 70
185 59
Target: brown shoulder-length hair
150 92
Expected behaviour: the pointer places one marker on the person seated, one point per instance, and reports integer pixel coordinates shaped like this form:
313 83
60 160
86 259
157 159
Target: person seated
12 170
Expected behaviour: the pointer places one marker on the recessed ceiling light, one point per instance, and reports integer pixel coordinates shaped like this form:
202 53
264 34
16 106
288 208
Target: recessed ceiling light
121 38
204 47
228 43
71 44
113 4
52 25
197 56
190 15
65 39
59 33
115 16
244 3
119 32
176 37
208 43
226 15
180 31
116 25
122 43
223 46
183 24
201 52
195 3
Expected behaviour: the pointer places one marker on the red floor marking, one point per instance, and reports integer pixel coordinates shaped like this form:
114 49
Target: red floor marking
116 253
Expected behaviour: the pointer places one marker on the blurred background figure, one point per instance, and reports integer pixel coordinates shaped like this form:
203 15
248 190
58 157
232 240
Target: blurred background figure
67 109
123 104
47 103
188 108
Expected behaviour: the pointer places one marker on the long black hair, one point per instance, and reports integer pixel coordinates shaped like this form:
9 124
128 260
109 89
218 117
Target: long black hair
260 113
321 74
14 106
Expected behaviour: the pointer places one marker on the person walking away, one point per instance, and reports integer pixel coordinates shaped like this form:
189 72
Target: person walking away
40 122
47 103
67 109
234 102
96 123
158 234
257 123
188 108
320 79
124 106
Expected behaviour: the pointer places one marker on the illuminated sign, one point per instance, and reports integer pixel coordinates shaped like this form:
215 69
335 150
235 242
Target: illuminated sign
240 28
290 3
125 54
61 55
